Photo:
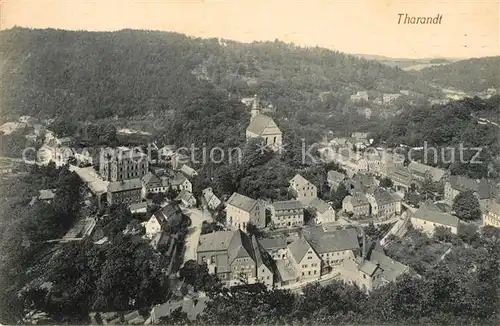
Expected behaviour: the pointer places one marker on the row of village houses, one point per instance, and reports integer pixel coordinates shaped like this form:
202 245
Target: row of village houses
366 198
236 258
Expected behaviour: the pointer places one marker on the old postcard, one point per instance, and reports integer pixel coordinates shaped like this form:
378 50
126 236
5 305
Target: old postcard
247 162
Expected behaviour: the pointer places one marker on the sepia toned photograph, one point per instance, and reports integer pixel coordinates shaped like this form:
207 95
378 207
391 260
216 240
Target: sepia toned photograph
249 162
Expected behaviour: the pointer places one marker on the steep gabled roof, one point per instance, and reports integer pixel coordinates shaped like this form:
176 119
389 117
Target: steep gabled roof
335 176
216 241
435 173
240 247
242 202
339 240
494 208
391 268
357 199
299 181
299 248
208 194
125 185
287 204
484 188
260 123
167 212
319 205
429 214
184 195
383 197
47 194
261 256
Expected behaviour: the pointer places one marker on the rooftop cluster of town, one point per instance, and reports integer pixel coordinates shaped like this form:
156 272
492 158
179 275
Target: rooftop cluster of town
306 239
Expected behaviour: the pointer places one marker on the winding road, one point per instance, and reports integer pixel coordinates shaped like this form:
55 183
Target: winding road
191 243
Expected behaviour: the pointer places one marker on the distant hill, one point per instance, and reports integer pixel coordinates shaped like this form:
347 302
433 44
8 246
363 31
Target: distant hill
472 75
102 74
406 63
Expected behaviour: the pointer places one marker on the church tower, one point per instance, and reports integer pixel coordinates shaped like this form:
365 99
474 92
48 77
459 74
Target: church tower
255 107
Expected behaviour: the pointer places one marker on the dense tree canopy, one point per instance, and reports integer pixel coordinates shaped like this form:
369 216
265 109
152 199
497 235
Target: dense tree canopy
466 206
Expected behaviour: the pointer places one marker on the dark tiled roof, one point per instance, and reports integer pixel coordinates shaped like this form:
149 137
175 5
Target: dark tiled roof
338 240
298 249
383 197
242 202
273 243
287 204
436 216
216 241
150 178
484 188
125 185
240 247
319 205
259 124
334 176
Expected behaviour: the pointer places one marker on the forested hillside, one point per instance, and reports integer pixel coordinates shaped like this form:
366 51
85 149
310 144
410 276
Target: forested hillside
473 75
445 127
96 75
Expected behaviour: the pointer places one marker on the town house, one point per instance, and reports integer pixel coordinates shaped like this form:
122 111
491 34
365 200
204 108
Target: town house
275 247
355 164
492 215
483 189
235 258
241 210
334 179
124 192
334 247
158 222
306 261
357 205
359 96
209 199
421 171
122 163
401 178
186 199
288 213
371 269
188 171
179 182
361 182
264 127
428 217
302 190
383 203
322 211
152 184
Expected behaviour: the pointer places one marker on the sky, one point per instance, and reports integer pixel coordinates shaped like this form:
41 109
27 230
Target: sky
468 28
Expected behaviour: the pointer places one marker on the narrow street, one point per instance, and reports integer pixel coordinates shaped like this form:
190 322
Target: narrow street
191 244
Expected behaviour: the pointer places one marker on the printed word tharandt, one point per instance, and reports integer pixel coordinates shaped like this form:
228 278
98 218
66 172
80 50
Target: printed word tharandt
406 19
